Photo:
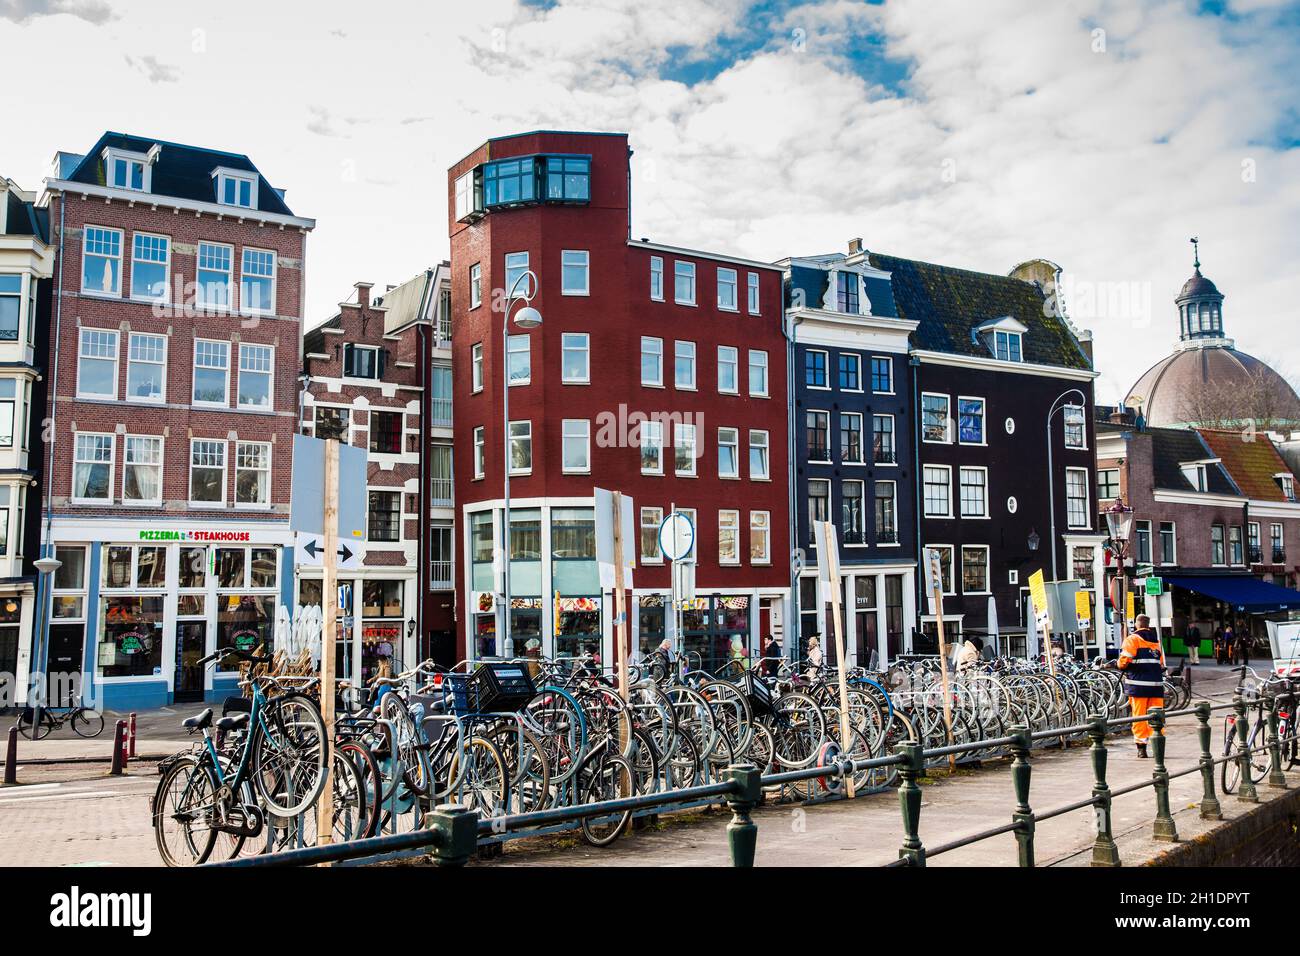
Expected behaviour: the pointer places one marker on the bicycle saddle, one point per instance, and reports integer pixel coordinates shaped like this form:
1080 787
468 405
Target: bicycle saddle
236 705
232 722
198 721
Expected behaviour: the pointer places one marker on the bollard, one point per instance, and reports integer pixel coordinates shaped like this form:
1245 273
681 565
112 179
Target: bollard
1164 830
1210 809
11 757
1104 850
131 735
909 799
457 829
1276 779
742 832
1023 815
1246 787
119 749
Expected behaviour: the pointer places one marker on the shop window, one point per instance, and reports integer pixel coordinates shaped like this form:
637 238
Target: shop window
651 617
150 567
193 567
190 605
381 599
230 567
245 622
130 635
262 568
579 631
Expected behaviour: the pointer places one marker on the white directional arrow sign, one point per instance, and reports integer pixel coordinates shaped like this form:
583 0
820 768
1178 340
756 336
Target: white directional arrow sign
309 552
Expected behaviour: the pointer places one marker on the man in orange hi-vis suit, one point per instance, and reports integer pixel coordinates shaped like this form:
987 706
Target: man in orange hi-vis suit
1142 660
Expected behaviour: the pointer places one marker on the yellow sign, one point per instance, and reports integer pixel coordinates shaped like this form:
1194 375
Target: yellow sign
1130 614
1038 593
1083 609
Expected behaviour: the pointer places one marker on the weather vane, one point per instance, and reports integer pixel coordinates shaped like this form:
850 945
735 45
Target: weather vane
1196 252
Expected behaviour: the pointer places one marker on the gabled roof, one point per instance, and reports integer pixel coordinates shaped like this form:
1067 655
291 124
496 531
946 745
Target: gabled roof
949 304
1252 464
181 172
812 282
1170 447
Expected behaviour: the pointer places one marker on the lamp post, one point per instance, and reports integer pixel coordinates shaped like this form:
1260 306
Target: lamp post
46 567
1051 473
1119 521
528 318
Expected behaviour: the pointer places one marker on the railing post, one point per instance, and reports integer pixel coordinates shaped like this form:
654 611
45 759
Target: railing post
909 799
1164 831
1245 787
457 831
1023 815
1104 850
1210 809
742 832
1276 779
11 757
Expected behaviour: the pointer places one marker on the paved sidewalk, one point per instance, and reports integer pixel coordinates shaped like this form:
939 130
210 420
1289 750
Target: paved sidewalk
158 733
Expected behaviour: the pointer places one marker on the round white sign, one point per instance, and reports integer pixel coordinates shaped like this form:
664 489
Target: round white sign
676 536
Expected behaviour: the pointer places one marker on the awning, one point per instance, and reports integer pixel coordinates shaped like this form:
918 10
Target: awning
1245 592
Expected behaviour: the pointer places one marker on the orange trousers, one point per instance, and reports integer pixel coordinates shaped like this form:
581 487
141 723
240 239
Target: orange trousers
1139 706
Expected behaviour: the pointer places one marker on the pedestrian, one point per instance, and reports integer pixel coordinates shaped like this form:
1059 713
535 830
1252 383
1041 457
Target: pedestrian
771 656
1230 643
1142 660
1193 642
969 654
1243 642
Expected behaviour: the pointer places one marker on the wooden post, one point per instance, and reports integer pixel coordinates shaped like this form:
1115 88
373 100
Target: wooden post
943 667
329 638
832 559
620 610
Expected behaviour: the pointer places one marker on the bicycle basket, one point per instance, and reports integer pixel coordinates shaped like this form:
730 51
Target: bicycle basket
759 694
500 687
456 689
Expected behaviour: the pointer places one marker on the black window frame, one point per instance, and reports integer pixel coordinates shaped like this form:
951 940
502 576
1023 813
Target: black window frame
395 434
384 523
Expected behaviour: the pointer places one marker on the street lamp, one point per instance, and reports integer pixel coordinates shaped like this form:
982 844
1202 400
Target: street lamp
1119 521
1032 540
1057 405
46 566
527 319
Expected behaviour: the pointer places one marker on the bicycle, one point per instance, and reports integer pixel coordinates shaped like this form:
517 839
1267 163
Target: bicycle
1258 761
86 722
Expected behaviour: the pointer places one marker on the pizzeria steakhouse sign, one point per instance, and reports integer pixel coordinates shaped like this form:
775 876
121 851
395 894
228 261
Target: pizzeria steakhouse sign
207 536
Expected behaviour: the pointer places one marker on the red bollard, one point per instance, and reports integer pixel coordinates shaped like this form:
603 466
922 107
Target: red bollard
119 749
11 757
131 736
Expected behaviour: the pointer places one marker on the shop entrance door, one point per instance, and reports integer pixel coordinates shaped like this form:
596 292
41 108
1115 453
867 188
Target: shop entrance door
191 644
64 662
8 666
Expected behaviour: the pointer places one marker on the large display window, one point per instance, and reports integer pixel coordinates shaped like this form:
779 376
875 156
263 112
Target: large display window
130 636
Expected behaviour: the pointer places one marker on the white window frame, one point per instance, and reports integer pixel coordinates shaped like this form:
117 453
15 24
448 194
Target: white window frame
861 530
1086 523
476 285
683 270
1173 536
225 472
268 372
351 349
1083 427
270 451
200 296
949 587
877 485
726 432
729 522
205 404
984 504
118 257
855 357
582 259
984 421
925 512
751 294
734 353
988 571
678 355
476 367
512 349
658 352
862 439
573 429
244 273
526 440
651 435
657 278
826 368
579 343
237 177
682 431
763 364
889 364
830 454
877 417
113 156
161 363
1008 336
514 267
728 277
165 262
760 529
650 517
480 463
947 419
78 460
759 439
81 347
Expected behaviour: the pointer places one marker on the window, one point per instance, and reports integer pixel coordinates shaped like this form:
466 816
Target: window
146 364
521 448
207 471
510 181
753 296
1254 553
938 491
760 537
757 373
657 278
974 492
479 467
652 448
1076 497
1195 475
684 450
568 178
970 421
945 565
386 432
1006 346
1076 434
934 419
882 437
850 372
519 353
1083 570
142 469
846 292
577 446
882 374
1168 543
684 364
684 283
257 282
97 364
8 401
234 190
728 369
819 502
469 194
1234 544
851 438
149 260
476 366
101 260
214 266
727 290
1286 483
11 303
256 363
331 422
728 537
1217 553
886 512
1107 484
651 519
814 369
974 569
853 524
758 460
1279 548
652 361
575 272
211 372
1142 547
475 285
252 473
728 453
516 268
817 426
384 517
575 360
126 170
362 361
92 467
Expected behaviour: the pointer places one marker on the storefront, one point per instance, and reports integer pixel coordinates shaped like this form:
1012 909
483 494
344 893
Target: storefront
877 604
376 620
140 604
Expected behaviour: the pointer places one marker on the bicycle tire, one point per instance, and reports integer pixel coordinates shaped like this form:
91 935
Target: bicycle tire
608 777
87 723
25 725
279 768
197 788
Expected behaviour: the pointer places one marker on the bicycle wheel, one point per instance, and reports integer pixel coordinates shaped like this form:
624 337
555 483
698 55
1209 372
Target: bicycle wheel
288 759
88 723
1259 759
1229 770
183 807
608 777
372 781
479 777
25 725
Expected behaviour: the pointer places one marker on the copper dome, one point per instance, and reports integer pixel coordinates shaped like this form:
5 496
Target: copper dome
1210 385
1197 285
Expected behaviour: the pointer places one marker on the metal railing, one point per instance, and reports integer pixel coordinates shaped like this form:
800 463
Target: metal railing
452 833
440 493
440 574
440 412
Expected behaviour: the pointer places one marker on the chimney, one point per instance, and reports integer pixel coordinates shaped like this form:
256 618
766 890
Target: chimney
363 294
855 246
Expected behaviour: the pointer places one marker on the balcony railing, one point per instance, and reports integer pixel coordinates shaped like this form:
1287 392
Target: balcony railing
886 536
440 412
440 574
1279 556
1256 555
440 493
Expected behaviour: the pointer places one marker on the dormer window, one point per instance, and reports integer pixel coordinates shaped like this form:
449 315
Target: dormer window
127 170
1003 337
236 188
846 292
1287 483
1194 472
1006 346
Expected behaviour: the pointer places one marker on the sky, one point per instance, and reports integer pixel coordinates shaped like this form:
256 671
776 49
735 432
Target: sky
1099 134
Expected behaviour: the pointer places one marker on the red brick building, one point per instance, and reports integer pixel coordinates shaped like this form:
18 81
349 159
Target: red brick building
174 362
657 371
